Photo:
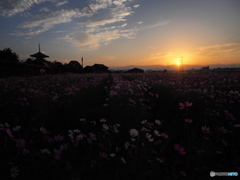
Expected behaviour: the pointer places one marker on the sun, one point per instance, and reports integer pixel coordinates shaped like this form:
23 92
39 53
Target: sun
178 63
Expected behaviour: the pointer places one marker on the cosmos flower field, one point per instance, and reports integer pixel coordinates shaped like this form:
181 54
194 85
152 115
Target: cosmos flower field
119 126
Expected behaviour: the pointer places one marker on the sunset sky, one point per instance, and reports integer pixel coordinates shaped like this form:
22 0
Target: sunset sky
124 32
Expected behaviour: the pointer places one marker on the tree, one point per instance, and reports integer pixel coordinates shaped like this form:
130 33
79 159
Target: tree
73 66
29 60
8 55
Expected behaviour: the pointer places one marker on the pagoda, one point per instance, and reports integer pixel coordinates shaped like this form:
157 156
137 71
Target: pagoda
39 55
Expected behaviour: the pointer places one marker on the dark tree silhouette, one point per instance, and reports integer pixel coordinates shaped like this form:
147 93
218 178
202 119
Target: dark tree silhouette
8 55
29 60
73 66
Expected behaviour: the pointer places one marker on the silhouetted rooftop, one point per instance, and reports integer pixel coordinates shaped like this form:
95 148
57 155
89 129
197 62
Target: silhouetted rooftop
39 54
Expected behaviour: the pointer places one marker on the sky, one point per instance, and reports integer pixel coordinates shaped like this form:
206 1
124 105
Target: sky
124 32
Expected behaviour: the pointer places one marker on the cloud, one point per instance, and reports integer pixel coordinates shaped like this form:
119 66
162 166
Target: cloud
10 8
161 23
61 3
45 9
47 22
136 6
219 50
105 58
100 21
152 47
161 55
113 12
91 41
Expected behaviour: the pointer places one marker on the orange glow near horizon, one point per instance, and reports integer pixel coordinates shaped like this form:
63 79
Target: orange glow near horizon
178 63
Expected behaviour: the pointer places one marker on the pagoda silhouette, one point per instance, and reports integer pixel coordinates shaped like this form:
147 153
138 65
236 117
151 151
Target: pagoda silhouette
39 57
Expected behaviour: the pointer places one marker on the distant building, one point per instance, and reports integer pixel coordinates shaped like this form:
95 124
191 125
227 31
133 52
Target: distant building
135 70
206 68
39 58
96 68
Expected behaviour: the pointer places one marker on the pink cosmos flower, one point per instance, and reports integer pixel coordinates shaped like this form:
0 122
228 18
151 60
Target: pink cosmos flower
43 130
188 104
149 137
75 142
33 118
45 64
188 120
164 135
222 130
92 136
158 122
115 128
20 143
58 138
103 155
158 142
206 130
127 144
42 71
58 154
180 150
182 106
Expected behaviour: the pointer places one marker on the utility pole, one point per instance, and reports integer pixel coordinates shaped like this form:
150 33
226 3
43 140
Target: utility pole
182 64
82 62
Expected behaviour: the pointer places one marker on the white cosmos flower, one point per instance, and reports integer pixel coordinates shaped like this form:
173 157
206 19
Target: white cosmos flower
133 132
144 121
133 139
16 128
112 155
45 150
82 119
156 132
76 131
123 160
103 120
105 127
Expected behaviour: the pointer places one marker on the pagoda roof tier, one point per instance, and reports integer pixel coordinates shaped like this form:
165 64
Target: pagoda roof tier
39 55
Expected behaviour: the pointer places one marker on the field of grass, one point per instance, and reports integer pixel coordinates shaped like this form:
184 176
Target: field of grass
119 126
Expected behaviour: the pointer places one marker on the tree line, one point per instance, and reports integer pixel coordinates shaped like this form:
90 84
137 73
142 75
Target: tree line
11 65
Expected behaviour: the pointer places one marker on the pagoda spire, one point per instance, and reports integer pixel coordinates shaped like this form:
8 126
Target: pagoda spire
39 47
